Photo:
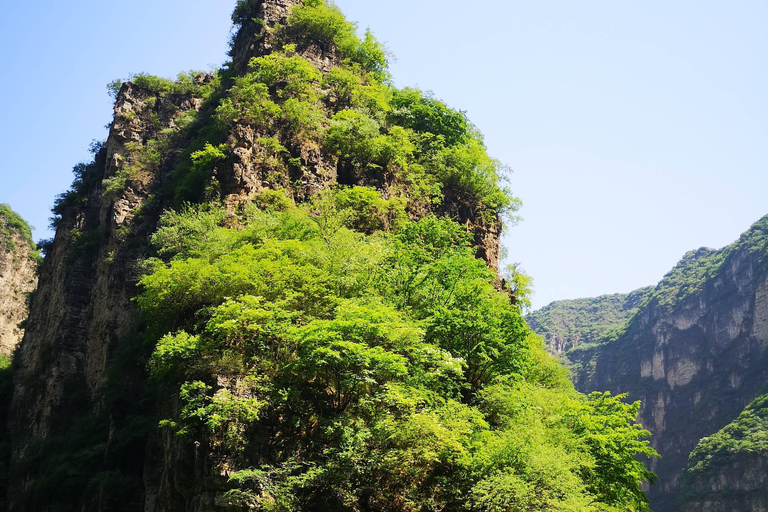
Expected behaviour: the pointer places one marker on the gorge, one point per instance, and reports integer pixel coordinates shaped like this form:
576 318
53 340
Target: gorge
694 350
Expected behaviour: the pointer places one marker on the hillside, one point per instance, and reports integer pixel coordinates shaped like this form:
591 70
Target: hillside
18 276
568 324
696 354
275 288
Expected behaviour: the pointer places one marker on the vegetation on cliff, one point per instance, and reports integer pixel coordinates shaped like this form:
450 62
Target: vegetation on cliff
578 329
566 324
331 366
727 470
698 267
19 261
16 282
401 140
321 334
575 330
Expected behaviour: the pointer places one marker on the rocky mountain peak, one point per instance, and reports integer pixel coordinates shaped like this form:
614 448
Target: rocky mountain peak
313 113
256 22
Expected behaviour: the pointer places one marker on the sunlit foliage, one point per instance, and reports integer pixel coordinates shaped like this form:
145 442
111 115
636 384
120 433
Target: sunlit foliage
341 354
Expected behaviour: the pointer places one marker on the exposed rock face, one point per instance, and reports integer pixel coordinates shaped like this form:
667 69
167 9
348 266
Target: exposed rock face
253 38
695 354
18 278
85 333
82 312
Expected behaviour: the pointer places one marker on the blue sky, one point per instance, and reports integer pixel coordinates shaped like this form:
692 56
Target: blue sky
635 130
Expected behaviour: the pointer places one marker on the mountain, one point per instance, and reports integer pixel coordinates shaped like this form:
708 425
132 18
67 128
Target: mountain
568 324
575 329
695 352
18 276
276 287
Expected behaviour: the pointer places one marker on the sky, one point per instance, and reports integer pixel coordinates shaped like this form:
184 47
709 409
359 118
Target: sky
634 131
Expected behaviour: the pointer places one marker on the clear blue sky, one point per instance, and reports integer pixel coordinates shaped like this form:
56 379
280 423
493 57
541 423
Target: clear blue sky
636 130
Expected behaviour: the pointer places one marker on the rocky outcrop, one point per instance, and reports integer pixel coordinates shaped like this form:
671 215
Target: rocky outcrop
18 277
256 20
695 353
82 414
82 316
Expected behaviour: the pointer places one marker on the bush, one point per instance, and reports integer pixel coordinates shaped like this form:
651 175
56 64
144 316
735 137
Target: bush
325 24
369 211
185 84
292 76
412 109
143 162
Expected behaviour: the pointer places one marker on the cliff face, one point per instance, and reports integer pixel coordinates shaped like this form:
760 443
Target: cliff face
18 277
695 353
81 414
82 313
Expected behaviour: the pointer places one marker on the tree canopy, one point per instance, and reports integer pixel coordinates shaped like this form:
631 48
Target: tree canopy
333 361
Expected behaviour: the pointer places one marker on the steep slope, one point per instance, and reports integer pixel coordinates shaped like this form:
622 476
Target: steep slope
695 353
273 289
18 276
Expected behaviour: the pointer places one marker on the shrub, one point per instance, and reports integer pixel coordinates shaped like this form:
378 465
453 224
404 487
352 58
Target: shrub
324 23
412 109
370 212
291 76
185 84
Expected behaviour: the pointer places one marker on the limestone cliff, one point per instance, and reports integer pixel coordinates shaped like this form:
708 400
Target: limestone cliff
695 353
18 277
83 424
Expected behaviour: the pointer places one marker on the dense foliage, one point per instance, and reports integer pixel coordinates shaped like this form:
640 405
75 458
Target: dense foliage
408 141
335 357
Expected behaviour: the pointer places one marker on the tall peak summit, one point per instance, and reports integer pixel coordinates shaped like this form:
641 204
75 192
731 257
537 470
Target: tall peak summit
255 20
